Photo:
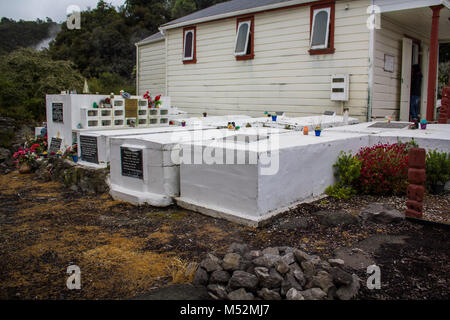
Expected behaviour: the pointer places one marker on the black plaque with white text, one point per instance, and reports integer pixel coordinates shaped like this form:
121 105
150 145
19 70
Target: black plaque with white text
57 112
88 149
131 162
55 145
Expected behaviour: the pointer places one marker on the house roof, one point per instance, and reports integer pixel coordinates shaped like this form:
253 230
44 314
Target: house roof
229 8
153 38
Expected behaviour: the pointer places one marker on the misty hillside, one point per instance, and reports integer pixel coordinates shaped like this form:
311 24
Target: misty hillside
26 34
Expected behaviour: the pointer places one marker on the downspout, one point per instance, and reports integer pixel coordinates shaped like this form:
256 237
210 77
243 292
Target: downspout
371 69
137 69
165 34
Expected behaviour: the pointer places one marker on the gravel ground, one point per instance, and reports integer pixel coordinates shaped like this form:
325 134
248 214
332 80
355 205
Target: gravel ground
125 251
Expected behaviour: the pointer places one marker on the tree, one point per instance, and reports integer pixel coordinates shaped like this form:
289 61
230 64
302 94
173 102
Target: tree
101 45
26 76
181 8
24 34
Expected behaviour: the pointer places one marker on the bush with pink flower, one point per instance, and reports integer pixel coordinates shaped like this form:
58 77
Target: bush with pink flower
378 170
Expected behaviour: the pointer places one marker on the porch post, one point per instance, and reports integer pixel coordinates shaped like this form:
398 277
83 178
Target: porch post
432 65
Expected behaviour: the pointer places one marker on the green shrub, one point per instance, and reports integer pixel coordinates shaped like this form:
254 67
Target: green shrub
347 171
437 168
339 191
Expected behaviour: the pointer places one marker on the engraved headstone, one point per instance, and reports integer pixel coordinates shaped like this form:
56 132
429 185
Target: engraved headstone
88 149
55 145
131 162
57 112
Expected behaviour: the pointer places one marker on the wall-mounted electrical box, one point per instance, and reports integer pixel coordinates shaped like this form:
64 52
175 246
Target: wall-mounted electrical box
339 87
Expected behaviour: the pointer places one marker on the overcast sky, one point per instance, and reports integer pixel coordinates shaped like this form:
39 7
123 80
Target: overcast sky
55 9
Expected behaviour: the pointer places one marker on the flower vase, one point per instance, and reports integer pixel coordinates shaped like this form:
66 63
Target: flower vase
423 126
305 130
24 168
274 118
317 132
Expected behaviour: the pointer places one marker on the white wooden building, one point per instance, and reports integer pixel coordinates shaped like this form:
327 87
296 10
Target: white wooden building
248 57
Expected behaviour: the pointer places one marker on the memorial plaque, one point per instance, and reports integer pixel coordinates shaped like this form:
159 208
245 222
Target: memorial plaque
57 112
131 162
88 149
131 108
55 145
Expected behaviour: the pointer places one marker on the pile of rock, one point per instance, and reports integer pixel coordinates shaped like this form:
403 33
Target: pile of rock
275 273
75 177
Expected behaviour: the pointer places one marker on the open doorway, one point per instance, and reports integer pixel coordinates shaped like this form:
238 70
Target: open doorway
443 72
414 71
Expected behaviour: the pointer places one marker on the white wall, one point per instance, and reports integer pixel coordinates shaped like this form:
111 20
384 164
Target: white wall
72 103
283 76
151 71
387 85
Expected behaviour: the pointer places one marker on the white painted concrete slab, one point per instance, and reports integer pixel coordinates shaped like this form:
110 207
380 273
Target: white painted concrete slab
289 168
161 152
435 136
103 139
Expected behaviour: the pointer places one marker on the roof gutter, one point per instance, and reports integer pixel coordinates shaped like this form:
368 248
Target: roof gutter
235 13
141 43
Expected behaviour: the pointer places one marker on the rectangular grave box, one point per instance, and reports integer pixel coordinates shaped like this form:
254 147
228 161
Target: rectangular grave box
264 176
160 180
102 138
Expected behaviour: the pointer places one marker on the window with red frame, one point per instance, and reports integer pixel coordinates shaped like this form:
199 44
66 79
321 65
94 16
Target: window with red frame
322 29
243 49
189 47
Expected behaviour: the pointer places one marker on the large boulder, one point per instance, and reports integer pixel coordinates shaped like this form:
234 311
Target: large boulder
240 294
210 265
219 276
333 219
242 279
231 261
381 213
267 294
217 292
349 291
5 155
201 277
313 294
294 294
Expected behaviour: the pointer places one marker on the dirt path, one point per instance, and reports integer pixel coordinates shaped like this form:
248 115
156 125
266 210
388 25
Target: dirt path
124 251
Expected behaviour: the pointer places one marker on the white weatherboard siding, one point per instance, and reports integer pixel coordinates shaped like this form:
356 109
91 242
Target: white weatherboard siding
387 85
152 68
283 76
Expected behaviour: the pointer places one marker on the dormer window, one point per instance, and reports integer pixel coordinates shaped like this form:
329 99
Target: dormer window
189 48
243 49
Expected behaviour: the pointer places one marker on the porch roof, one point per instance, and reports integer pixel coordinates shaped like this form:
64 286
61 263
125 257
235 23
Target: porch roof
389 5
420 19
